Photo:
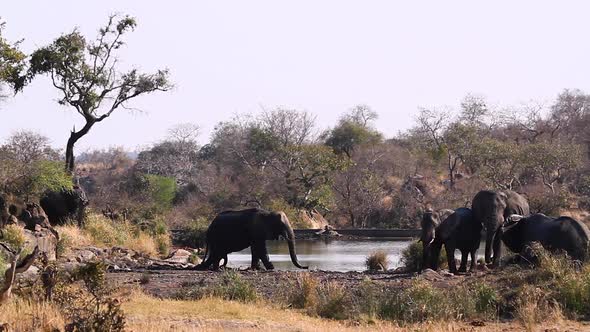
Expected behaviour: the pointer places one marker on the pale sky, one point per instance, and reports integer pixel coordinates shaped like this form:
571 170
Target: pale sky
229 57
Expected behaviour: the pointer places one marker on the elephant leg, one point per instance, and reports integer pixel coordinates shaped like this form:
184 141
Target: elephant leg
473 260
497 248
255 260
451 258
435 254
463 266
264 257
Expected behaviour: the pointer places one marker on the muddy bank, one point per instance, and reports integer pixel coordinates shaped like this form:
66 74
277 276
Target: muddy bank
270 284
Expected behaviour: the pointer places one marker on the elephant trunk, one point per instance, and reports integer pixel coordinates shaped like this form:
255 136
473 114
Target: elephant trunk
290 237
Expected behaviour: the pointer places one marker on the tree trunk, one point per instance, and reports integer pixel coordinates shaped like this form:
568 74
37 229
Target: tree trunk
74 137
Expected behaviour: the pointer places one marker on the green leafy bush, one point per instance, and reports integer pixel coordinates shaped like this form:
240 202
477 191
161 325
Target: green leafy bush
162 189
412 257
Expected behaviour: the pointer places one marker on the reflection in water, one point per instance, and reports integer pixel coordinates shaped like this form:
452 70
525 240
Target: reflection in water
333 255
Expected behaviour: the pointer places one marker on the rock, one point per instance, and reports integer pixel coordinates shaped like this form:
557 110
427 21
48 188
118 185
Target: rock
430 275
31 273
446 273
44 239
179 256
70 267
84 255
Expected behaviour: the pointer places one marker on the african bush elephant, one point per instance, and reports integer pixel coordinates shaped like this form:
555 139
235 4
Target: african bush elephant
232 231
458 231
563 233
491 208
429 223
63 206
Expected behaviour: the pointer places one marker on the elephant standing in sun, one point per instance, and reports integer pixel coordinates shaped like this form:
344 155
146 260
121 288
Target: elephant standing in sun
233 231
491 208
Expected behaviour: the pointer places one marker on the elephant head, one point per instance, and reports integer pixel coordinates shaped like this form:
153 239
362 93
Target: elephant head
512 232
282 227
430 221
491 208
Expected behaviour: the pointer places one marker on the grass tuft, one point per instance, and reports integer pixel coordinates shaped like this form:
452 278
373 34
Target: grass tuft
377 261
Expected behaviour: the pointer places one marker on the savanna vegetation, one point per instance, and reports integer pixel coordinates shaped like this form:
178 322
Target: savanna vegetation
349 174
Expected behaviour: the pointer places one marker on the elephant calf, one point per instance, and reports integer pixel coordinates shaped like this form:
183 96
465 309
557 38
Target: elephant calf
460 231
233 231
554 234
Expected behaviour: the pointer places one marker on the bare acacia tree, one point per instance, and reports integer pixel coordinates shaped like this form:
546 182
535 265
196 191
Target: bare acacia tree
433 125
184 132
86 74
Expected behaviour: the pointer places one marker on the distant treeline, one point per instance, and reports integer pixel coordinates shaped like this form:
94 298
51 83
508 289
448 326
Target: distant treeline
350 174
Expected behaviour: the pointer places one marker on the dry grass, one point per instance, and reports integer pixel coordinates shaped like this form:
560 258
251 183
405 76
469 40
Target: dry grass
148 314
22 315
143 243
101 232
377 261
74 236
534 307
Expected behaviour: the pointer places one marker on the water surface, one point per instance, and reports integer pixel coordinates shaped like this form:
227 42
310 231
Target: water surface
332 255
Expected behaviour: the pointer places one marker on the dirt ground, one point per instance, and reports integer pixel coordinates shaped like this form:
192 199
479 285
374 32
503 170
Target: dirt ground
269 284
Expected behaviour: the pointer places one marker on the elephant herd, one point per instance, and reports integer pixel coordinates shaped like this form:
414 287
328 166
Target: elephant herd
503 216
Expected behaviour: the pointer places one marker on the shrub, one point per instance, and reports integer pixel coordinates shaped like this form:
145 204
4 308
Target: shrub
328 300
14 236
533 305
234 288
412 257
332 301
194 258
162 189
143 243
49 175
102 231
163 243
486 300
548 203
563 281
377 261
194 234
145 279
91 308
304 294
369 300
418 303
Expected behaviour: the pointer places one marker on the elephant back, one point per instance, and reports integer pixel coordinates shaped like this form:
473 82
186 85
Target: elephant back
515 204
581 228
